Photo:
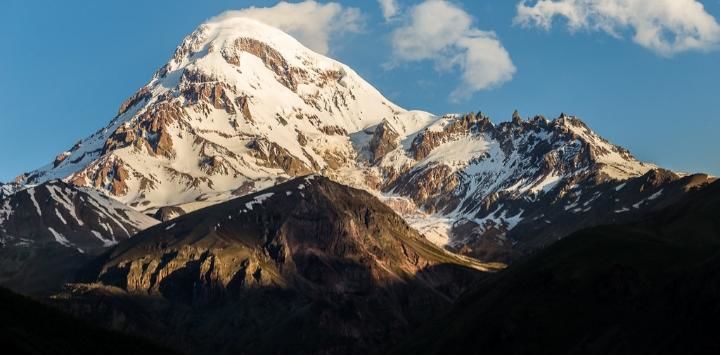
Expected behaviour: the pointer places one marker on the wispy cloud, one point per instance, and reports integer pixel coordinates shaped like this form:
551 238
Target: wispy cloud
389 9
311 23
443 33
666 27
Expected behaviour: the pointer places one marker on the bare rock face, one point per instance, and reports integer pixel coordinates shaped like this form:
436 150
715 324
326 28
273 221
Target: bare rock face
333 130
168 213
124 136
112 173
273 155
139 97
156 122
430 188
384 141
272 59
243 102
516 118
198 87
150 131
60 158
428 140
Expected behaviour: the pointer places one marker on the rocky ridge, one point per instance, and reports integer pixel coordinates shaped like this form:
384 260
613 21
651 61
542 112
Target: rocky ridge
308 248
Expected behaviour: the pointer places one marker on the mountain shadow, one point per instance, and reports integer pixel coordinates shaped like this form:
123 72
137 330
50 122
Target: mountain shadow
647 287
30 328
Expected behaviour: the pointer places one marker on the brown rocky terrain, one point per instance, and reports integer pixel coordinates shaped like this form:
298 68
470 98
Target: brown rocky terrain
555 216
538 181
304 258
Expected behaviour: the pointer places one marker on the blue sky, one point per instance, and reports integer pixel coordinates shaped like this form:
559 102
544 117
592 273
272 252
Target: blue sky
65 67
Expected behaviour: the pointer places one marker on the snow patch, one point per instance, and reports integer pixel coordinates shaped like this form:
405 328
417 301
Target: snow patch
106 242
59 216
61 197
437 229
650 198
656 195
258 200
31 193
60 238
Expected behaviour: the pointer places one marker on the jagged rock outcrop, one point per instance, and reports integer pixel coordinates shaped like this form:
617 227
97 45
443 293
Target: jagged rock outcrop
516 186
453 129
7 190
168 213
384 140
273 155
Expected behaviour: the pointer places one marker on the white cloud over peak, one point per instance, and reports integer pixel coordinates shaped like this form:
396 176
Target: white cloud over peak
389 8
444 33
309 22
666 27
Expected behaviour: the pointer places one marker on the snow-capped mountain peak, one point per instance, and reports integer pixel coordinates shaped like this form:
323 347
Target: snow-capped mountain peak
241 106
239 103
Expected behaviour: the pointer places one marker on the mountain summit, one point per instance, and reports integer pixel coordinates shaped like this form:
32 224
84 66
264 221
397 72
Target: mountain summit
242 106
239 103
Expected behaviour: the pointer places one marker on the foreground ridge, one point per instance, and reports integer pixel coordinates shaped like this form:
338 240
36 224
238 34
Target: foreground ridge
303 258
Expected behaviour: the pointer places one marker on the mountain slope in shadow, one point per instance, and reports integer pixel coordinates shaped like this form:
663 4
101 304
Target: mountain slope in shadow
30 328
308 266
647 287
48 231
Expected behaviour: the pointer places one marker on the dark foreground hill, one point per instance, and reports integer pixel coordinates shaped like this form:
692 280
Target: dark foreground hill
647 287
29 327
309 266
